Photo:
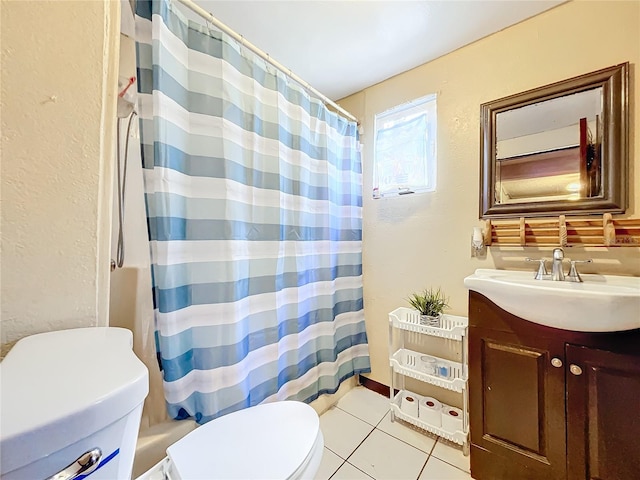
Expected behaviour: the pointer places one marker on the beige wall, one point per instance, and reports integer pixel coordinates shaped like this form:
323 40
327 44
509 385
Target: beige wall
415 241
131 302
58 105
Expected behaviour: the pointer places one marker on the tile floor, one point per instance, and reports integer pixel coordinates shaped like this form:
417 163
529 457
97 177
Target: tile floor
362 443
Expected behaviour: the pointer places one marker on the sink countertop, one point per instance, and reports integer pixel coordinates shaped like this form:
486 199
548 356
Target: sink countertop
601 303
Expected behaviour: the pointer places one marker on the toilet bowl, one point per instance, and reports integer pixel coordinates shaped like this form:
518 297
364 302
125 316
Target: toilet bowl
71 401
280 440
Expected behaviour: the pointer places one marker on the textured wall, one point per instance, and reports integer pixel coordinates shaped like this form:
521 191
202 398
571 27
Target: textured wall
58 102
415 241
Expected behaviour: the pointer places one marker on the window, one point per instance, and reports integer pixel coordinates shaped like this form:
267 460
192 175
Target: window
405 149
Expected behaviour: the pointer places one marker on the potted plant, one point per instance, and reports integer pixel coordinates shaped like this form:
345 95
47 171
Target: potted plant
430 303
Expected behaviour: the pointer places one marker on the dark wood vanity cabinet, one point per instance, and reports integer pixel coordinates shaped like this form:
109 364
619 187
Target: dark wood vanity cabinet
513 391
603 414
551 404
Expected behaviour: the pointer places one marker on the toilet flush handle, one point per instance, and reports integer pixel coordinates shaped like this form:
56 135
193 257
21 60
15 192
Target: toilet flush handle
85 464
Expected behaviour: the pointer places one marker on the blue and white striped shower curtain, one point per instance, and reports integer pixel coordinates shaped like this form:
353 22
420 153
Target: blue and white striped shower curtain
254 203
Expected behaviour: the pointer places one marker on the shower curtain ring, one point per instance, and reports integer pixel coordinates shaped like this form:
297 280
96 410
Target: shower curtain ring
270 65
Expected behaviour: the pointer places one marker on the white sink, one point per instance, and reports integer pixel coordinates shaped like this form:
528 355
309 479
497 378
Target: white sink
602 303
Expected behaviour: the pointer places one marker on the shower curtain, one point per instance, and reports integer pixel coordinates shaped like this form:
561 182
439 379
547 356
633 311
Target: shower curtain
254 204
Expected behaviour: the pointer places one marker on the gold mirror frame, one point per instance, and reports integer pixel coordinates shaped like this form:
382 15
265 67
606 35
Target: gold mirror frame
614 176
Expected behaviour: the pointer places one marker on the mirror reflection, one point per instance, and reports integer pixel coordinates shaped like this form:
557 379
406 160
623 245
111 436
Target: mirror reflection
557 148
550 150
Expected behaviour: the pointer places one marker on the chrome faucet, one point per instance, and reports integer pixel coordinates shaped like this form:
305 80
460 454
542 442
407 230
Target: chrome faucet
573 275
557 274
542 267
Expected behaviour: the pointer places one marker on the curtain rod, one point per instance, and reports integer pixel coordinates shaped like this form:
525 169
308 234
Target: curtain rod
265 56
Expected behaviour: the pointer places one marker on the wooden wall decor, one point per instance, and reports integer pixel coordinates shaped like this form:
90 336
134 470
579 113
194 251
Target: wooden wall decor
604 231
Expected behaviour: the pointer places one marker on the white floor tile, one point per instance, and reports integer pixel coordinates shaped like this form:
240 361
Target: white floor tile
402 431
342 431
451 453
384 457
365 404
349 472
439 470
328 466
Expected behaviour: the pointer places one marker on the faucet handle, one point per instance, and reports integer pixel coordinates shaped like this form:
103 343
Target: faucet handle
542 268
573 275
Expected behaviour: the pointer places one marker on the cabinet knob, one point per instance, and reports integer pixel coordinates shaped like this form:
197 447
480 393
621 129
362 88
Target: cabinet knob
575 369
556 362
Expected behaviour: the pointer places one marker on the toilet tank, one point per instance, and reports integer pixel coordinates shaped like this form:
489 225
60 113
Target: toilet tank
68 392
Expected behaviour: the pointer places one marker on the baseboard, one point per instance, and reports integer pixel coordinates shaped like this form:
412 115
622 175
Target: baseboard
374 386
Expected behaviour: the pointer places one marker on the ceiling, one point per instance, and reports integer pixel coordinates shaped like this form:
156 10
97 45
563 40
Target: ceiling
342 47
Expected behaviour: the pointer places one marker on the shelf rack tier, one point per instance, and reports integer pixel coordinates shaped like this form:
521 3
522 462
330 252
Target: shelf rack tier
406 362
456 437
452 326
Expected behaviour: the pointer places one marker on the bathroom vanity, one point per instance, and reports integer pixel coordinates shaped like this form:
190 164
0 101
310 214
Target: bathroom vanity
549 403
554 362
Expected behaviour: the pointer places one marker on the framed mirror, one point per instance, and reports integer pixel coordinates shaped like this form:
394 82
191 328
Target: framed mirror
557 149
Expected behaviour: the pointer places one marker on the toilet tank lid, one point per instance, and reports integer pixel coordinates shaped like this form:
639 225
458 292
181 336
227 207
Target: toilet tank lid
63 386
271 440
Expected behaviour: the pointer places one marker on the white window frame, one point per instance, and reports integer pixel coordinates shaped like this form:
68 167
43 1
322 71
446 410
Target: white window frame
424 174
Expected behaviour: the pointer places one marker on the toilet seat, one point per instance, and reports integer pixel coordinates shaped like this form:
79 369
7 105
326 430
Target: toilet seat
272 441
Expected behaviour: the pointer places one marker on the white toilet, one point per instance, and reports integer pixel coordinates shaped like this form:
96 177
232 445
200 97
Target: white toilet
280 440
71 402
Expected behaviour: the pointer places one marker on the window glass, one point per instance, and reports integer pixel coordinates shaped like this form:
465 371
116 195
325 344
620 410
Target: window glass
405 149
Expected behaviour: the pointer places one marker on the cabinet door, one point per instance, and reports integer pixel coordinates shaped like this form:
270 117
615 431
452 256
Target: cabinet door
516 406
603 411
